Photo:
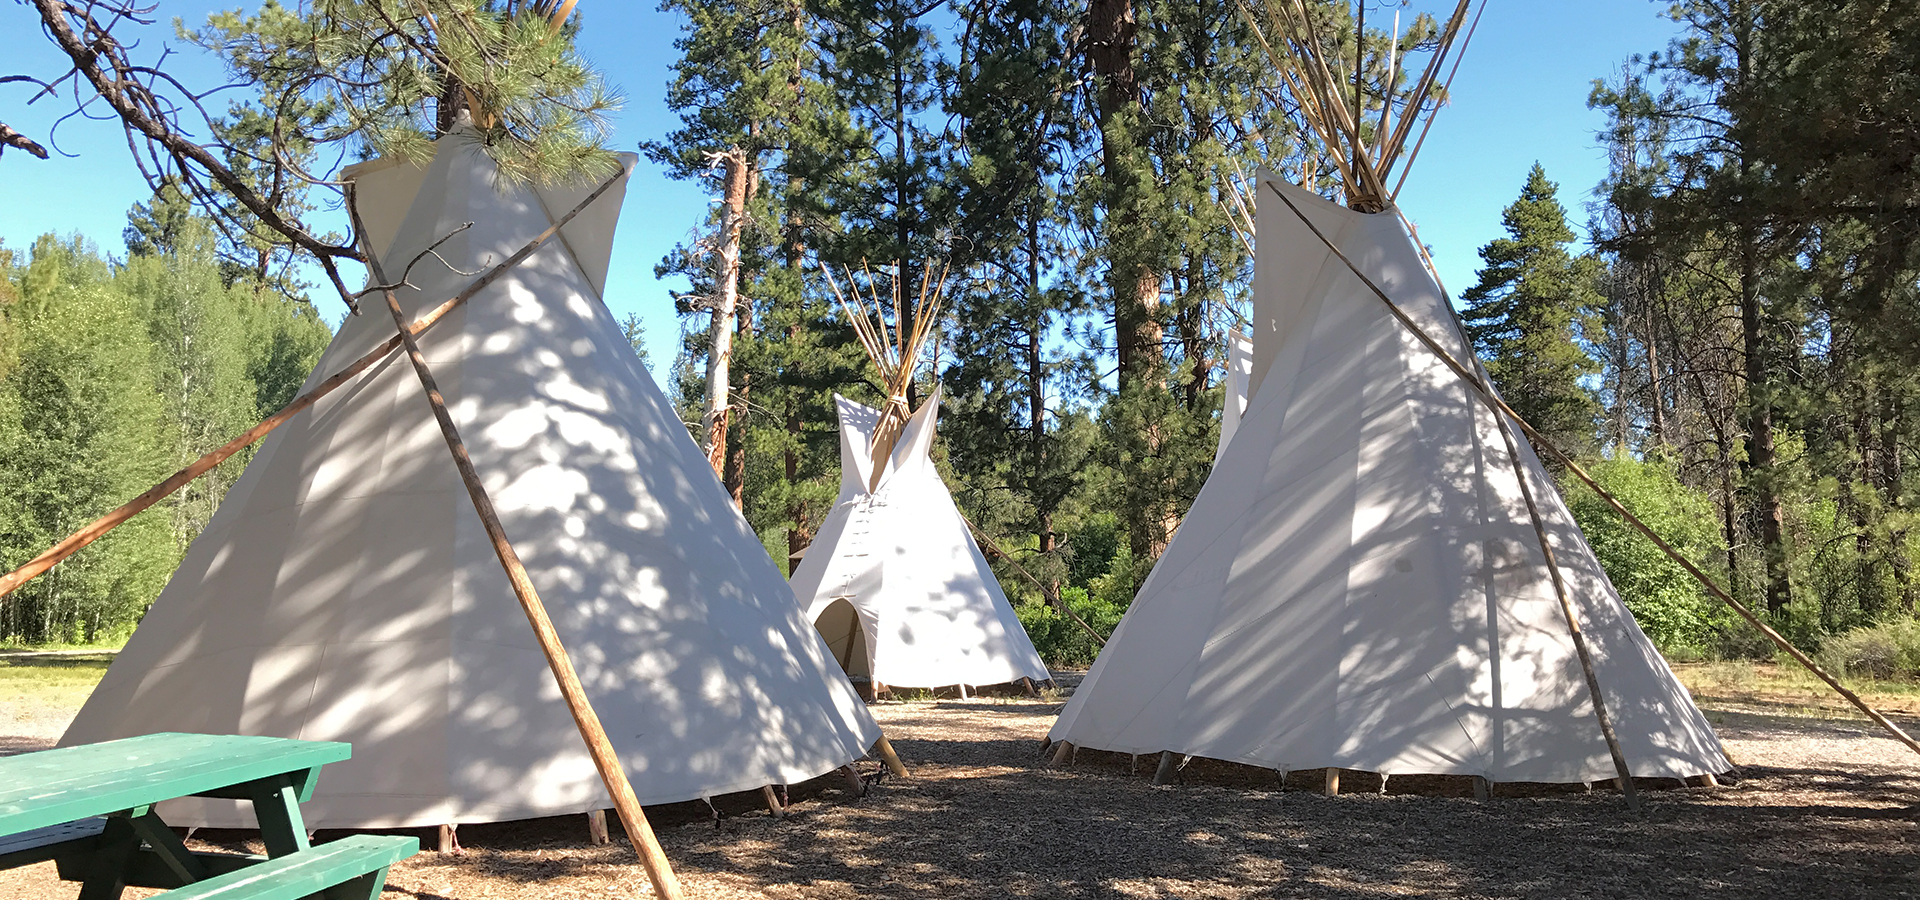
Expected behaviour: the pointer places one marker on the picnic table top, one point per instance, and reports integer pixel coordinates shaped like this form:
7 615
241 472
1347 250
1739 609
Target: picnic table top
61 785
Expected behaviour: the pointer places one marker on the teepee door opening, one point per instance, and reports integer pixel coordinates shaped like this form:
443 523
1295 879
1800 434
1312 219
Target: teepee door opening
839 623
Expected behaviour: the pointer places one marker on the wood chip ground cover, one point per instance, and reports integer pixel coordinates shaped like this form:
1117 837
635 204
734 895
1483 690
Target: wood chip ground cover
1824 808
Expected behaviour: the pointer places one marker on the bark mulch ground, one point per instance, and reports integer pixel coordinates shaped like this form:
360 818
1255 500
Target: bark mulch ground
1821 809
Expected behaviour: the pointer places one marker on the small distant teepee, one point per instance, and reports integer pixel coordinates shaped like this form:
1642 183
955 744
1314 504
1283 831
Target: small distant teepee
894 580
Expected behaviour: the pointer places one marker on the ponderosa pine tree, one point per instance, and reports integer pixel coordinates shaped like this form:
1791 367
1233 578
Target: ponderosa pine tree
1529 313
1016 465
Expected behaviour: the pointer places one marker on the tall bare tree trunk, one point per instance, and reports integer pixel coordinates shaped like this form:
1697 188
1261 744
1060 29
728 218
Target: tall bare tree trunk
737 174
735 474
1037 416
1762 462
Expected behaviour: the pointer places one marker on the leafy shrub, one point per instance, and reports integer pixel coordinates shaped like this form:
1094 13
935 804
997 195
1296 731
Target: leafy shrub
1669 604
1888 651
1059 639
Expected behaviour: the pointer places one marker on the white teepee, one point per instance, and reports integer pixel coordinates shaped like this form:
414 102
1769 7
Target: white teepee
1358 584
1233 402
345 589
895 582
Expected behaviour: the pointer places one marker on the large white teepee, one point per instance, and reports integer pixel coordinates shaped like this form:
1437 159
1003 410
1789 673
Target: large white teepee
895 582
346 591
1358 584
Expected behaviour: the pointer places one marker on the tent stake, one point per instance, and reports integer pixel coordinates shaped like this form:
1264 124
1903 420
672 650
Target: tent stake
93 530
1061 752
854 782
597 828
1168 761
773 802
659 871
1332 787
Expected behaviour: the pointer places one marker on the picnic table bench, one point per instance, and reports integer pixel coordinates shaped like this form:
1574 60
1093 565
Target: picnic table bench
90 809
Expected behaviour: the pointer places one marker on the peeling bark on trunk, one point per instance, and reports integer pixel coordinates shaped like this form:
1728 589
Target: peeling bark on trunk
738 176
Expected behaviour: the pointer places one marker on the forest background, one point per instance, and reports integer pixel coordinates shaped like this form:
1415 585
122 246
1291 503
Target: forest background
1733 348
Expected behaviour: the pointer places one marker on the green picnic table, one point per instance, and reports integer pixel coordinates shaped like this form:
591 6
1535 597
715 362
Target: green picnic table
90 809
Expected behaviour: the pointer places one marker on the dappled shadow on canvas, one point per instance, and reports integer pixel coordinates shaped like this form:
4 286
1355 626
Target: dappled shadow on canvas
347 591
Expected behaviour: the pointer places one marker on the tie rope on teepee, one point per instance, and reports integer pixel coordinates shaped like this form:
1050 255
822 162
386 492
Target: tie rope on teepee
896 350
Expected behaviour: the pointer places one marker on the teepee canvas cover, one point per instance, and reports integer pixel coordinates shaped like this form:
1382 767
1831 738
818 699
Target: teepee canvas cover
895 582
345 589
1358 584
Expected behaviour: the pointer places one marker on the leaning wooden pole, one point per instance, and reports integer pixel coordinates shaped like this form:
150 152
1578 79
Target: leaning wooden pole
93 530
659 871
1560 591
1500 406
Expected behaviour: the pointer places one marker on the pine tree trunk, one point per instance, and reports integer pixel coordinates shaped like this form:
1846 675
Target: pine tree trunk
735 475
800 531
1037 416
713 422
1658 405
1761 465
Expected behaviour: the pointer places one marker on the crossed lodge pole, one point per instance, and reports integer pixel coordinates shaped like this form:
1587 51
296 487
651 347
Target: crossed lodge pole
632 819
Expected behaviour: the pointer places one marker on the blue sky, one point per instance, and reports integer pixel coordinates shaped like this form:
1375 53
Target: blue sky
1520 97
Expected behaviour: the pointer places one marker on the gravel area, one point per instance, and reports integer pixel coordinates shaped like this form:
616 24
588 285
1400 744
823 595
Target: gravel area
1821 809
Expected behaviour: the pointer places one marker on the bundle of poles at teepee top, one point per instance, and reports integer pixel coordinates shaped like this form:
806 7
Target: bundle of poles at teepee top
896 350
1332 103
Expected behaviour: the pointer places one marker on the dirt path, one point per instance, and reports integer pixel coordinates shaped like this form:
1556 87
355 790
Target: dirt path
1824 810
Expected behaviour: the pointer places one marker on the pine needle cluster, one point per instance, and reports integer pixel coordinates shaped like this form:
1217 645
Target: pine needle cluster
384 77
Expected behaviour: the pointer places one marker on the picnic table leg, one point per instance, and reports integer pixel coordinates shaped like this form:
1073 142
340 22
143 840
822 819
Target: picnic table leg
168 846
107 869
276 804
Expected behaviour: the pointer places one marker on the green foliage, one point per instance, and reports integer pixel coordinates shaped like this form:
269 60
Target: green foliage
1668 603
1887 652
1529 312
385 75
1059 640
116 376
80 431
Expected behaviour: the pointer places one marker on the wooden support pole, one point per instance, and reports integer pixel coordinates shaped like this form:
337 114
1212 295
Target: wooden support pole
1332 788
1061 751
1708 779
597 828
1482 790
659 871
889 757
1027 683
93 530
773 802
1383 783
447 839
1169 761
